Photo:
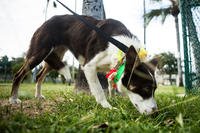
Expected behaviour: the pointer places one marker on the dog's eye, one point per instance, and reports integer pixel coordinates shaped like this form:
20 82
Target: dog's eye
146 89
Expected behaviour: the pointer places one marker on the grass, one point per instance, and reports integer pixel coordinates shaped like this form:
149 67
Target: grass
65 111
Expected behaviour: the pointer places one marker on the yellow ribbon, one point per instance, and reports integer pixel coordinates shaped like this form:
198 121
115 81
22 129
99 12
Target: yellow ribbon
142 53
119 55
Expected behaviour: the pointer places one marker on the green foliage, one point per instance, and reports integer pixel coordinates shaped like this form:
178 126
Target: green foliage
4 60
168 63
16 64
65 111
157 13
4 64
53 75
9 67
5 67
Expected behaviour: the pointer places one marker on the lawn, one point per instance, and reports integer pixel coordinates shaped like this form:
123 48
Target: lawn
65 111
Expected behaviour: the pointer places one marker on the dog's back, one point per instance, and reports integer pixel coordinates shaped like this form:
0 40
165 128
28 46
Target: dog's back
69 32
59 34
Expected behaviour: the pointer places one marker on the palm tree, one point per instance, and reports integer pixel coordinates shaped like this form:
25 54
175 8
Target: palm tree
173 10
168 65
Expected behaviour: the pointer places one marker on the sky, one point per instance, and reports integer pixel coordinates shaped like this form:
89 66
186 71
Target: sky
20 18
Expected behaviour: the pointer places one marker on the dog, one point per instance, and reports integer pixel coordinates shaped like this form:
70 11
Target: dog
66 32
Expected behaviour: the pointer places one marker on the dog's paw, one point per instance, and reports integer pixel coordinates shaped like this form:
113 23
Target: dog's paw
39 96
105 104
14 100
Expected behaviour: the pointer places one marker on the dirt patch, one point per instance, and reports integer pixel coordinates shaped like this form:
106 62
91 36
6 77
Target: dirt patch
31 107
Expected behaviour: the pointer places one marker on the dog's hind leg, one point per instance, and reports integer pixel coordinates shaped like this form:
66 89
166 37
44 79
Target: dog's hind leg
39 79
52 61
16 82
31 61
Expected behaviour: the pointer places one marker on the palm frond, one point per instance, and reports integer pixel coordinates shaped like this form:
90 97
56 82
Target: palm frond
163 12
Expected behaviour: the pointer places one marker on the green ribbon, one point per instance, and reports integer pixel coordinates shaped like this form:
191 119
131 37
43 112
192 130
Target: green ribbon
120 71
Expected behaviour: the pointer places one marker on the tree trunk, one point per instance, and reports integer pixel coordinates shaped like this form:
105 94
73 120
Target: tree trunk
81 82
94 8
5 72
170 79
180 77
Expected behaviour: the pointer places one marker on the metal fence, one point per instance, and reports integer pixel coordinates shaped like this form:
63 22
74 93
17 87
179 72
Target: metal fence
190 15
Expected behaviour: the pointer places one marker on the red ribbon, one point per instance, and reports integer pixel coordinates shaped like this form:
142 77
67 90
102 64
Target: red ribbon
111 72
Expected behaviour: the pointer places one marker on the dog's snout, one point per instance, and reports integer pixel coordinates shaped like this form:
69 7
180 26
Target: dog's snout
154 109
150 110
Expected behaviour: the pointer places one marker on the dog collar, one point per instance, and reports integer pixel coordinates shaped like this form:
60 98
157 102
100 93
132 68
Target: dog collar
142 53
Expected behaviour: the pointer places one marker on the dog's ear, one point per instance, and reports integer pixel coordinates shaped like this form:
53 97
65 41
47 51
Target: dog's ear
153 63
131 57
131 54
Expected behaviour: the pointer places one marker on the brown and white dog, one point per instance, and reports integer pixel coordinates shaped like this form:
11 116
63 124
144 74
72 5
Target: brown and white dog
61 33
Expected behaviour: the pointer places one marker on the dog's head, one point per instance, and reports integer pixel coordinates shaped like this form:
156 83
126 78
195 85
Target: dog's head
140 82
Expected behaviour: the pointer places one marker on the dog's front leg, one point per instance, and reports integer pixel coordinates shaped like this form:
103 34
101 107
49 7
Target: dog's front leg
95 86
110 87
